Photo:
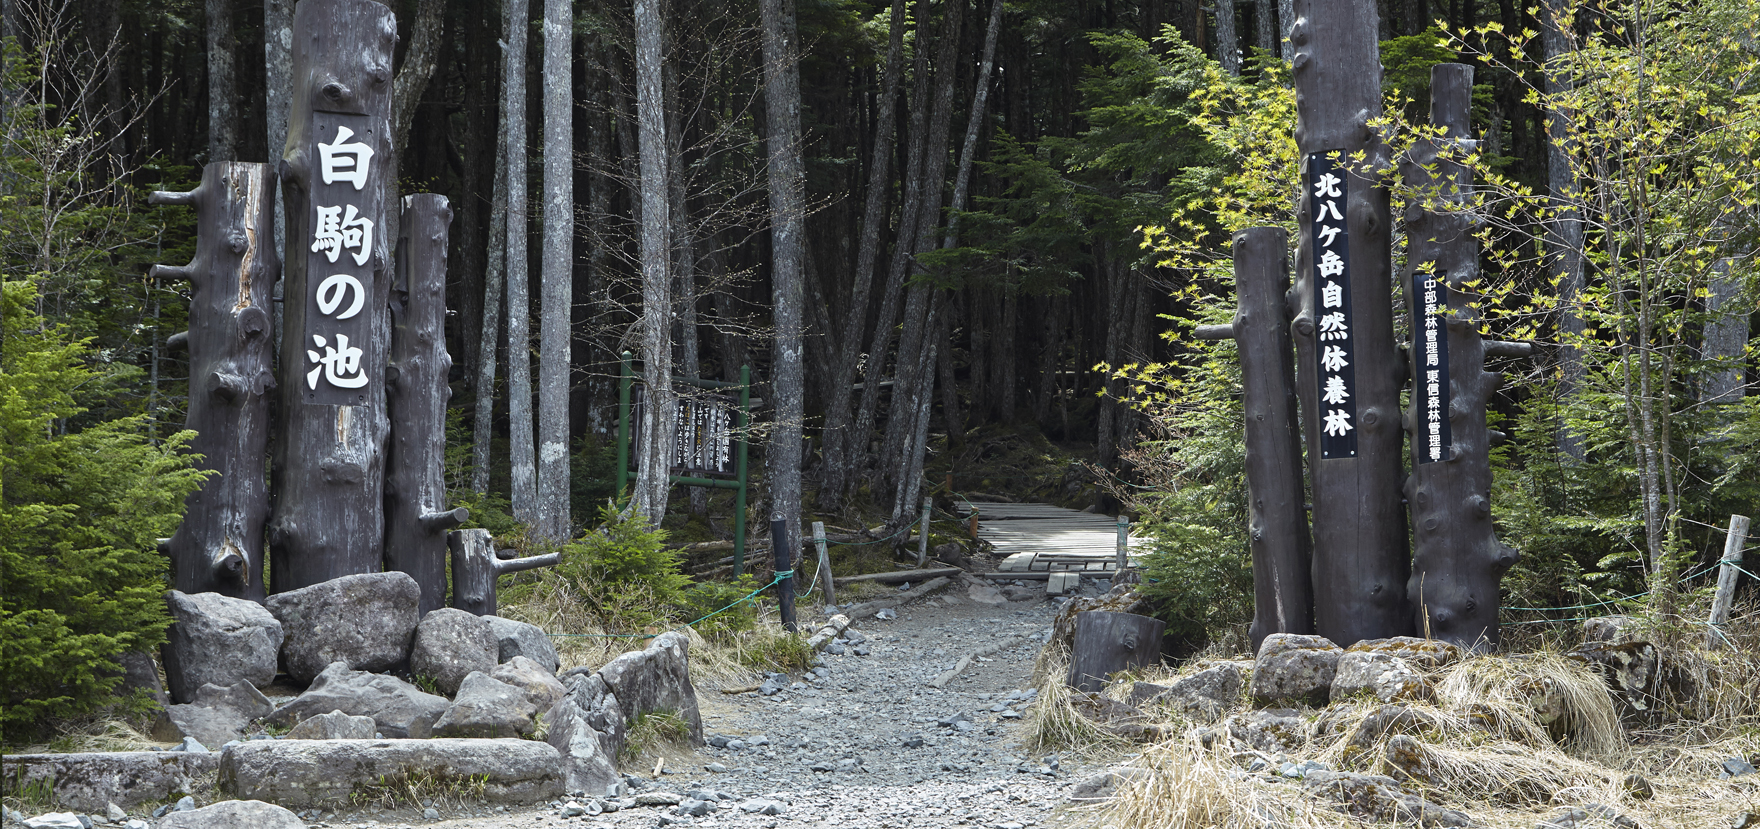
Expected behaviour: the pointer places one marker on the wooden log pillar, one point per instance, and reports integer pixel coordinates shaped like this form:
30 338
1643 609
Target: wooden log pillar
219 546
476 567
1348 370
1727 574
1457 562
329 449
416 518
1107 642
1277 523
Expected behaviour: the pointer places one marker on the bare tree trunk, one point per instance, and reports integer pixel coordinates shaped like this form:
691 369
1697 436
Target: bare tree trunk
521 433
787 177
969 148
1457 562
494 279
684 260
416 518
329 450
1344 329
1228 43
222 101
841 444
1265 25
218 546
557 277
419 61
1564 232
653 476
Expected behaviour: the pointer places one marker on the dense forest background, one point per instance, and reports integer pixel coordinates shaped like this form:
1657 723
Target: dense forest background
1011 213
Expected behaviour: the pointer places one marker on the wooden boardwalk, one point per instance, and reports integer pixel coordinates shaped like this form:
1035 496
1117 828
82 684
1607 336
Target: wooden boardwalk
1040 538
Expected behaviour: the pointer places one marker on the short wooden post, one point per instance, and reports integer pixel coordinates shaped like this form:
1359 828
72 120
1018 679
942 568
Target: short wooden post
972 521
219 546
784 559
1107 642
1124 542
1726 577
475 568
416 518
923 534
824 562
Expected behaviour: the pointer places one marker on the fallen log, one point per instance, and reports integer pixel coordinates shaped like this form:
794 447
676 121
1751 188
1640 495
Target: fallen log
896 576
966 661
864 609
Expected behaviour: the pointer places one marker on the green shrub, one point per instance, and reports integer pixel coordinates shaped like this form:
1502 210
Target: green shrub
81 507
627 568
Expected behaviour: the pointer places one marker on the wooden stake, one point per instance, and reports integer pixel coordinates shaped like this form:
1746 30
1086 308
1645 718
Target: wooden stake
1727 576
784 558
1124 543
824 562
923 535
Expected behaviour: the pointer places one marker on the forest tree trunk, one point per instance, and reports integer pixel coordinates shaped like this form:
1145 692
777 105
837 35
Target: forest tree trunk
494 282
522 454
787 178
277 85
557 277
1228 43
653 473
222 100
1564 232
1343 311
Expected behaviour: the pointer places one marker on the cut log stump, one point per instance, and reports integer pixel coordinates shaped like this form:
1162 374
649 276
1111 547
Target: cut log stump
1107 642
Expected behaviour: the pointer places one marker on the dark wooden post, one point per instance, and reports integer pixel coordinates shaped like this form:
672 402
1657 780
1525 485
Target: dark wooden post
329 450
1283 600
1348 370
1458 561
784 561
476 567
219 546
416 518
1106 642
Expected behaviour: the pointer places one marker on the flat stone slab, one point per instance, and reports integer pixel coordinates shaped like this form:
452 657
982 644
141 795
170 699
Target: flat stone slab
324 773
89 781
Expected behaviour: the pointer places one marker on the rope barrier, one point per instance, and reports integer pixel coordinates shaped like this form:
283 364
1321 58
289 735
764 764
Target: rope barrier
748 597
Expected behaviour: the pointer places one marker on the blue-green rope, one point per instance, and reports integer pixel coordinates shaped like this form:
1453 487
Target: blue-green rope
748 597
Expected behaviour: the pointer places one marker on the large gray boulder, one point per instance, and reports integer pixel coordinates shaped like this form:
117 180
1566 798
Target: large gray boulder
334 726
486 708
520 639
449 645
234 814
217 716
657 678
398 708
1421 654
1204 696
1386 677
90 781
1294 669
328 773
363 621
217 639
587 729
1273 731
542 689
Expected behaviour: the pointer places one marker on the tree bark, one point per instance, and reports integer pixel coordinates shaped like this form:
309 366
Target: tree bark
329 449
558 272
416 518
476 569
1107 642
1265 25
1228 43
787 178
1564 232
277 89
1457 560
222 100
840 443
494 279
419 61
1277 524
653 473
1360 555
522 454
219 546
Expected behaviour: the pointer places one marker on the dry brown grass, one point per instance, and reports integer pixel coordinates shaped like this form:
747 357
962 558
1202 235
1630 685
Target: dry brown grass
100 733
1191 787
1054 724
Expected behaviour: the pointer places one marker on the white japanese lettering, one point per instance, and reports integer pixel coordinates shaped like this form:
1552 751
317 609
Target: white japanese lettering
334 289
336 364
338 161
337 232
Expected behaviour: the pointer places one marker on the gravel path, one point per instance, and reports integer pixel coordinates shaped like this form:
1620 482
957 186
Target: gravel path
864 741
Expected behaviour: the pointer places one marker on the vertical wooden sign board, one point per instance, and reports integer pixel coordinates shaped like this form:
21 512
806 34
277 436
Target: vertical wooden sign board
1458 562
1348 370
218 547
329 452
416 520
